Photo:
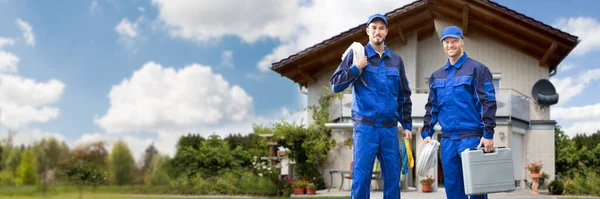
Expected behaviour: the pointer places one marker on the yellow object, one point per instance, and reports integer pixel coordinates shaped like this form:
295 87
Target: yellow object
411 160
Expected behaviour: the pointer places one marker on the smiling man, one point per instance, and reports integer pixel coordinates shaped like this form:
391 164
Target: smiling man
463 100
381 99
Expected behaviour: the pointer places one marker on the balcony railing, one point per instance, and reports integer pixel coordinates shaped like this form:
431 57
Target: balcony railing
510 103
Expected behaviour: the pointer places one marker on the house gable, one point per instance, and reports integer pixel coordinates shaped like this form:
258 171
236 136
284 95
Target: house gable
546 44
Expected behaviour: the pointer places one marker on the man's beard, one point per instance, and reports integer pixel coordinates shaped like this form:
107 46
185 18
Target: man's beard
376 42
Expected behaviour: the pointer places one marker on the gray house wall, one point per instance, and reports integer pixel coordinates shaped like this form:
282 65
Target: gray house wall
518 72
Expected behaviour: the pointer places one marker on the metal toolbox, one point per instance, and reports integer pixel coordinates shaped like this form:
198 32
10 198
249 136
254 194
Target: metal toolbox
488 172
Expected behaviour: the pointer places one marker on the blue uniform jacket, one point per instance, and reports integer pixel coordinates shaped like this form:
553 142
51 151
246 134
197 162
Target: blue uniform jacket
381 92
462 99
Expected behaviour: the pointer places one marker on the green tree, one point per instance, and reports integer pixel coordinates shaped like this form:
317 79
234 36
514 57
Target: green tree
9 165
13 160
212 158
252 143
190 140
158 174
82 173
308 145
48 153
93 152
566 153
149 154
27 170
589 141
147 168
122 164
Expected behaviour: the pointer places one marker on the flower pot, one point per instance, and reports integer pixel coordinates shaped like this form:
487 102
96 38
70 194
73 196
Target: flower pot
541 181
311 190
298 190
426 188
535 171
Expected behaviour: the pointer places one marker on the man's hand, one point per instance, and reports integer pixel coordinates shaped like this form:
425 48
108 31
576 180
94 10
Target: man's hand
488 144
407 134
427 140
361 62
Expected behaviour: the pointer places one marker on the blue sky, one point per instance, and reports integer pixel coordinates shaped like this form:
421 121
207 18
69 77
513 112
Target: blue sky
149 71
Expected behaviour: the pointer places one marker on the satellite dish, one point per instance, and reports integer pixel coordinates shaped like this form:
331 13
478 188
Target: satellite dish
544 92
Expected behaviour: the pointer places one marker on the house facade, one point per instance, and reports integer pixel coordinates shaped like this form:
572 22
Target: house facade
518 50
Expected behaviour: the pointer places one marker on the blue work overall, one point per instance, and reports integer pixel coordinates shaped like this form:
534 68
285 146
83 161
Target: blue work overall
463 100
381 99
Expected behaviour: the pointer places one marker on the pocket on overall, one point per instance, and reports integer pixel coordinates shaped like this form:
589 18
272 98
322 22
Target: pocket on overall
437 86
393 80
463 89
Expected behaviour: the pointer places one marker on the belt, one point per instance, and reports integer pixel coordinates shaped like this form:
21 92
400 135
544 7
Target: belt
373 122
462 135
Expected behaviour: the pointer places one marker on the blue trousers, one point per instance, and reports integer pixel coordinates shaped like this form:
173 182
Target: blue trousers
370 142
452 166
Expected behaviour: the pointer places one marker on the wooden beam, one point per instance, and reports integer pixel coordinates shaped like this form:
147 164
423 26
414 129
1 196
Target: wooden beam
547 54
465 20
309 78
401 35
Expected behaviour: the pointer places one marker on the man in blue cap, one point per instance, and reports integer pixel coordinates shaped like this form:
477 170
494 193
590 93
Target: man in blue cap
463 100
381 100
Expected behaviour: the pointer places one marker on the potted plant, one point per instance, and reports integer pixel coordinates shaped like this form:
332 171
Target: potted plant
311 189
542 178
299 186
535 167
282 186
426 184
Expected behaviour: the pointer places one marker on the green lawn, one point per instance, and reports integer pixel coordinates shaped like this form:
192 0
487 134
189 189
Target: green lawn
98 196
63 192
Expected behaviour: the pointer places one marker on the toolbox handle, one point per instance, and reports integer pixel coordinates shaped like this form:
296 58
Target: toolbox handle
481 148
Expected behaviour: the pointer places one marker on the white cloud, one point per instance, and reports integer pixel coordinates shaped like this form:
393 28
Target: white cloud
582 128
205 20
6 42
295 24
23 100
29 136
255 77
8 62
569 87
583 114
340 16
227 58
278 53
157 98
297 116
93 6
172 102
27 32
566 67
141 9
90 138
586 28
24 91
126 29
14 116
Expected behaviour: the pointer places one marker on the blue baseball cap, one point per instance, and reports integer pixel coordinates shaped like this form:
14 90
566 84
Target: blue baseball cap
375 16
452 31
